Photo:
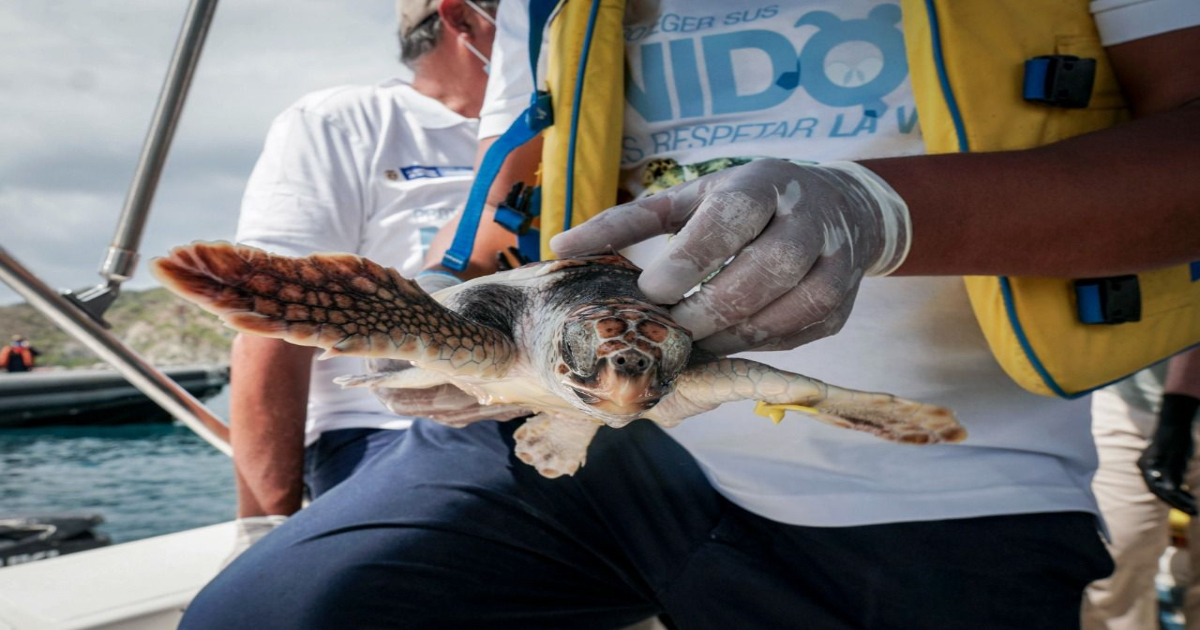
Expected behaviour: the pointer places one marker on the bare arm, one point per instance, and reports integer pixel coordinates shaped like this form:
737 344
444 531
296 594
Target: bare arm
269 395
1131 193
520 166
1115 201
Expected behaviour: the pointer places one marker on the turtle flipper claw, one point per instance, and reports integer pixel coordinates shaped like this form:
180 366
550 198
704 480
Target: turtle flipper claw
359 380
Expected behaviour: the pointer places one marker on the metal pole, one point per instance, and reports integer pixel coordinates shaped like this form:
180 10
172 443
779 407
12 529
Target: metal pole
120 260
139 372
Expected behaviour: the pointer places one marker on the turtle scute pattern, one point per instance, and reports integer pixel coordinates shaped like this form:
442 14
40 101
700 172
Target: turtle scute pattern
340 302
621 326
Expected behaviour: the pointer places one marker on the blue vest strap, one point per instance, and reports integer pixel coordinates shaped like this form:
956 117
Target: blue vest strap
527 126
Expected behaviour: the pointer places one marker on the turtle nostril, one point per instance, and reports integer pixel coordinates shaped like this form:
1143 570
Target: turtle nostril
631 362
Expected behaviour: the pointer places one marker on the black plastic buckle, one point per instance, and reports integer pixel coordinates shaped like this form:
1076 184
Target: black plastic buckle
1059 80
514 212
1114 300
511 258
541 111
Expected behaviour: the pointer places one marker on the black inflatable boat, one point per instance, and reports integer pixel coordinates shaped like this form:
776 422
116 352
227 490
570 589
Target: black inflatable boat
66 397
32 538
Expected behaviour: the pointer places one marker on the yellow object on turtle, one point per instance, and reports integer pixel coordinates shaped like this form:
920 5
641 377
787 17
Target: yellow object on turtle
775 412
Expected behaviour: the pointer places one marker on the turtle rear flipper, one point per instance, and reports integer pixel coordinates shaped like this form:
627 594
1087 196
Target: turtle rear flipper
340 302
705 386
555 444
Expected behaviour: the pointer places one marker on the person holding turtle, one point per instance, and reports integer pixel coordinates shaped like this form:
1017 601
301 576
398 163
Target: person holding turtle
838 253
369 169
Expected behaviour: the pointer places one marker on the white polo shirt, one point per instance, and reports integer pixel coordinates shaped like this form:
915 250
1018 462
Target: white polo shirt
372 170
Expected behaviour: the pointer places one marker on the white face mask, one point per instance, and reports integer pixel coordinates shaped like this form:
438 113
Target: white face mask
487 63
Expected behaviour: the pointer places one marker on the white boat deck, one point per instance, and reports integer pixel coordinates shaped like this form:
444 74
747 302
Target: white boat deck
142 585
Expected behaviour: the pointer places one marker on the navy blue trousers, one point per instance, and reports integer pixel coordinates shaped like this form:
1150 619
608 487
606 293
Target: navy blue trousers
447 529
338 454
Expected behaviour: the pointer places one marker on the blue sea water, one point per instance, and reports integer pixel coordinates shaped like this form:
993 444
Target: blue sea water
145 480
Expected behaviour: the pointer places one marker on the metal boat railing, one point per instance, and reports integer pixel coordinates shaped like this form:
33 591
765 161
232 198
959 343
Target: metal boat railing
81 315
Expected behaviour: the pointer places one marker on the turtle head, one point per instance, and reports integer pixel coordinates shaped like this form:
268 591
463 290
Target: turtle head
619 358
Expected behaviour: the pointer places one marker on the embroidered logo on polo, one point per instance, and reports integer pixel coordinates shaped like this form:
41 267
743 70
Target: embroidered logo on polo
424 172
694 66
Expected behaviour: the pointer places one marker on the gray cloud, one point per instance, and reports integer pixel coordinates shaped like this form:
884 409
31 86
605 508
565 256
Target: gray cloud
79 81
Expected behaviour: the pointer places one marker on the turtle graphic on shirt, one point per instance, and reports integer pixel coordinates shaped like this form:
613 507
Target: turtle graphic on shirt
660 174
570 344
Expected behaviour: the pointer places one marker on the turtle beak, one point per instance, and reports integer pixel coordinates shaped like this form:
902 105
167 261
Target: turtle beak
628 384
628 395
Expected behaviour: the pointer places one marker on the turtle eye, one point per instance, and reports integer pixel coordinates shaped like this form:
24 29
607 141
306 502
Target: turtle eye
675 352
578 348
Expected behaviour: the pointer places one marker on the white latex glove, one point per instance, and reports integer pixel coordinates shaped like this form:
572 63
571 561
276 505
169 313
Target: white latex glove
803 237
250 530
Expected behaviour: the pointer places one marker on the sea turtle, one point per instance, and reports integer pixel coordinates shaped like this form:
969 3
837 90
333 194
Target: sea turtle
573 343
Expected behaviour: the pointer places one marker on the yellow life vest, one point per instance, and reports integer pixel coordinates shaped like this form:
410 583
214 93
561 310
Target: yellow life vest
965 59
581 151
966 63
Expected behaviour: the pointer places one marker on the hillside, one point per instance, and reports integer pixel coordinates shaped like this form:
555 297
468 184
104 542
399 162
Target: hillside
159 326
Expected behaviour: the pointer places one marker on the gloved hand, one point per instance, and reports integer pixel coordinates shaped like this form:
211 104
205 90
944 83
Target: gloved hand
803 236
1164 463
250 530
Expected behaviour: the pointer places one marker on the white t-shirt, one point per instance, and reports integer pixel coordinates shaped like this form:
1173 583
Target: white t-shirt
710 79
372 170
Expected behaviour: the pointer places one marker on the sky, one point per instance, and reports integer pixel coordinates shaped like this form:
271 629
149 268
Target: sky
78 84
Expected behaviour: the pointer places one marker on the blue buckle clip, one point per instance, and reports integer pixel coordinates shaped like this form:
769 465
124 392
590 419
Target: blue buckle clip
1059 80
1114 300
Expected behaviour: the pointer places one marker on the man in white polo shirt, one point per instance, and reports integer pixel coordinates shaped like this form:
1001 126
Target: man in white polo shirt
373 170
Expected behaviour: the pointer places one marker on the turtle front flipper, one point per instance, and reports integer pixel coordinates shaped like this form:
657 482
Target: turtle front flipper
340 302
555 444
705 386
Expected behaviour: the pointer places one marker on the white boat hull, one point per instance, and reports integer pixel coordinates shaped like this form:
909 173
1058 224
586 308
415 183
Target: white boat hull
141 585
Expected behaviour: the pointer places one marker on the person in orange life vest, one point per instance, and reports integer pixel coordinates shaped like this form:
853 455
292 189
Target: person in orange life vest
18 356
